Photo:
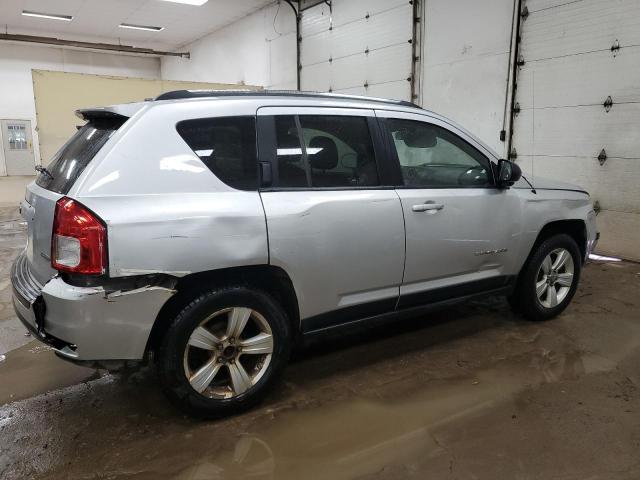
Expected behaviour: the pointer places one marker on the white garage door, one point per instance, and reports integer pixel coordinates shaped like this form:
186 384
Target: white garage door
360 47
577 54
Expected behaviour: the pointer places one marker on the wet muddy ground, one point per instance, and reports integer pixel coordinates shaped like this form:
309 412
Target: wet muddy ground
472 392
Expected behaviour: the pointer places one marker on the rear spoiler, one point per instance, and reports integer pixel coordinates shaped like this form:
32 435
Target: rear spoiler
115 112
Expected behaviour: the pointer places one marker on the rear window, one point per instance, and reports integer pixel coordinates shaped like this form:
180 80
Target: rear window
71 160
227 146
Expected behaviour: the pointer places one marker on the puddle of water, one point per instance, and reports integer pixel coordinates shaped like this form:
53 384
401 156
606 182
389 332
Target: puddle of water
33 369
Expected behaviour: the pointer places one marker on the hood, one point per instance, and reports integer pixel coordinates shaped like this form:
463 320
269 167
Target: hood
543 183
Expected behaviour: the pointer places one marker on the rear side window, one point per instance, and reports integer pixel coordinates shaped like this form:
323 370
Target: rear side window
324 151
71 160
227 146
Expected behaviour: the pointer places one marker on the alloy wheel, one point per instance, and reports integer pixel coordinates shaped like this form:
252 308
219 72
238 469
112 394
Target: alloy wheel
228 352
554 278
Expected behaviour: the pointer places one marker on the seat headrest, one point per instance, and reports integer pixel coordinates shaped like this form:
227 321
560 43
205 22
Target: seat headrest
325 156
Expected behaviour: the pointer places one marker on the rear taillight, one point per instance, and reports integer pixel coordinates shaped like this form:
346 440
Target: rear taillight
79 240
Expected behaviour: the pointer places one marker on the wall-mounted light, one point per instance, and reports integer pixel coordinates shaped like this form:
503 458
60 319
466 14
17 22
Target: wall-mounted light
50 16
148 28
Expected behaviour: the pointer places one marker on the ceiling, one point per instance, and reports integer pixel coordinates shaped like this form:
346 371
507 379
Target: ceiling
98 20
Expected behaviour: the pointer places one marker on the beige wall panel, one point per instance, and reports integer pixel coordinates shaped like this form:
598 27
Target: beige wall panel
59 94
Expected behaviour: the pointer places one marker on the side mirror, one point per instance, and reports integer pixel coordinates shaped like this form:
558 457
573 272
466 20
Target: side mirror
508 173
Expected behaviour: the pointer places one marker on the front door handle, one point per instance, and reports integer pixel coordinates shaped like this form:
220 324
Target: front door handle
428 207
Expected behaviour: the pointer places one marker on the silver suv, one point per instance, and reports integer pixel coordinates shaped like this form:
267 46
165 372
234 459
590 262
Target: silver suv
210 231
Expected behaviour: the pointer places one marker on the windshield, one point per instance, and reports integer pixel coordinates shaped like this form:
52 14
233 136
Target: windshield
74 156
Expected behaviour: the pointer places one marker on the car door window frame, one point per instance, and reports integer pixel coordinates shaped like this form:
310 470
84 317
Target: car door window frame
392 152
267 148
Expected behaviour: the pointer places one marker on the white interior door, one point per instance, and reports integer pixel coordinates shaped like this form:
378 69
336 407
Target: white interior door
18 147
576 56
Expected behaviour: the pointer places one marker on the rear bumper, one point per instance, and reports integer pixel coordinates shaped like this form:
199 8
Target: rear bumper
87 324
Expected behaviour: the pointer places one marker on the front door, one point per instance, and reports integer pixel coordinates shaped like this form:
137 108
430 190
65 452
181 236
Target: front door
18 147
333 224
459 226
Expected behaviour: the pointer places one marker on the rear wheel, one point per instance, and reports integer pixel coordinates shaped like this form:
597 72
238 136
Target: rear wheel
549 280
224 351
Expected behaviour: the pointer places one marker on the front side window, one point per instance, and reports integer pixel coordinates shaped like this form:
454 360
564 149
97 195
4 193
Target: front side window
325 151
227 146
431 156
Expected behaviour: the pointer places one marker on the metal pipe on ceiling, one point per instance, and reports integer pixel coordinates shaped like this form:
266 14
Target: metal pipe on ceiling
89 45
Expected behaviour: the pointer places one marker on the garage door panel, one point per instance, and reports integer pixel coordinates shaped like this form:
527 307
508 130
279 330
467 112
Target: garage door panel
581 80
537 5
399 90
380 66
389 28
358 52
316 78
579 131
352 10
613 184
578 27
315 20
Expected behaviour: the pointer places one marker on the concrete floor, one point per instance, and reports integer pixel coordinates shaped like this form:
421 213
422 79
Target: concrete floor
468 393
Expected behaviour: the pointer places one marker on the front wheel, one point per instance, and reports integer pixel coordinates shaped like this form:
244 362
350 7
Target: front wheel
223 352
549 280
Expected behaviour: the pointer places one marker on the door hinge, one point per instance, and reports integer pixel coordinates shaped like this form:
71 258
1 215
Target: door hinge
608 103
503 135
513 153
524 13
520 61
602 157
516 109
615 47
597 207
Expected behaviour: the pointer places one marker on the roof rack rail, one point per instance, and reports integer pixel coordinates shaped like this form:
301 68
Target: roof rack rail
186 94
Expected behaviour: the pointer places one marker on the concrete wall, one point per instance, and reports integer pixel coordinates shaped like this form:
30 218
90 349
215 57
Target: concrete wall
16 86
259 49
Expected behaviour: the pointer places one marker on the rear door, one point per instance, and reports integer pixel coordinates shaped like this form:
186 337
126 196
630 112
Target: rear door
460 229
335 224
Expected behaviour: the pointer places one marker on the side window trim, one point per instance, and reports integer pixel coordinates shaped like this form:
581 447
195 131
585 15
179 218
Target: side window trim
393 154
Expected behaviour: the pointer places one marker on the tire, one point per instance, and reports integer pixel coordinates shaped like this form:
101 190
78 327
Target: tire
533 297
214 359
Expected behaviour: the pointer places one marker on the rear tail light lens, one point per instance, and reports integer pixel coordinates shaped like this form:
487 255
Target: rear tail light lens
79 240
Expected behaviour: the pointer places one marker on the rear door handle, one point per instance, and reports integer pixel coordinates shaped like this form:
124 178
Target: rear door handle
428 207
